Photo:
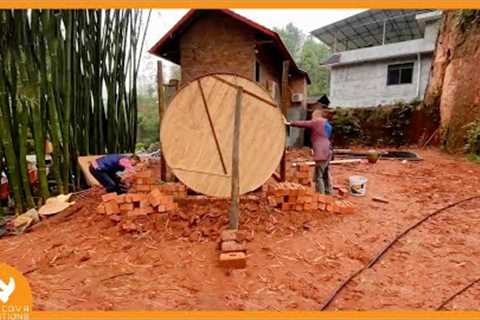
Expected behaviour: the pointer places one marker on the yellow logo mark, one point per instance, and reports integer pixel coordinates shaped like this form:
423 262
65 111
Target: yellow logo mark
15 295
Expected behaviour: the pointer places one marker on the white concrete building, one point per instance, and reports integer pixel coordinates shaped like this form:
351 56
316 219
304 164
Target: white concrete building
380 56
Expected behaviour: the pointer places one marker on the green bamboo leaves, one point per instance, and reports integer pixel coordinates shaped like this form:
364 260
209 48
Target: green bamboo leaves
67 77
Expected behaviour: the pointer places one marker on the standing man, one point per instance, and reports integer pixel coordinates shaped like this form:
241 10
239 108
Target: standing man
321 130
105 169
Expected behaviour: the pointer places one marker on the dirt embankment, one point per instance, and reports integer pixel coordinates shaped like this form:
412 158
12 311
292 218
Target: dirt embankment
454 87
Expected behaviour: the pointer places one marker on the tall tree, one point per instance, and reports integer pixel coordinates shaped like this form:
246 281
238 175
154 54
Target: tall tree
312 55
308 54
293 38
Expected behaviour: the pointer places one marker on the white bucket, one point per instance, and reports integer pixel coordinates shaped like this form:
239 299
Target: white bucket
358 185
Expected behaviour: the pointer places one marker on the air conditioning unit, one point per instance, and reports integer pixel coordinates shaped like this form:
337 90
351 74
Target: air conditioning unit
297 97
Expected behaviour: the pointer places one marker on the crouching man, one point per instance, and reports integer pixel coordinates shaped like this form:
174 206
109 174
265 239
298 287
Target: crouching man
105 169
321 131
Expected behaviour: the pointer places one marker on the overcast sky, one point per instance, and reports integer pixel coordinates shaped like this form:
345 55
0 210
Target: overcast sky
305 19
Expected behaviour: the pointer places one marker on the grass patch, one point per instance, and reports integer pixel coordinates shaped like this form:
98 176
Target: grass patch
474 158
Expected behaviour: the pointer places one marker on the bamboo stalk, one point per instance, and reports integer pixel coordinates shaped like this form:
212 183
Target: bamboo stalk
22 157
8 148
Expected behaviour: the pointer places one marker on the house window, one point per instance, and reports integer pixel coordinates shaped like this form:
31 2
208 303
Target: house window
257 71
400 74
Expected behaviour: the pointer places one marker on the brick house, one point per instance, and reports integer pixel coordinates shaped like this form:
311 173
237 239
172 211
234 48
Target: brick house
215 41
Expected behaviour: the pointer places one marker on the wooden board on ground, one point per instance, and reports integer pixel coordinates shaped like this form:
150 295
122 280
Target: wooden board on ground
84 163
197 134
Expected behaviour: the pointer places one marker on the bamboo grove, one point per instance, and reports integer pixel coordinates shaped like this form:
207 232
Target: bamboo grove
67 80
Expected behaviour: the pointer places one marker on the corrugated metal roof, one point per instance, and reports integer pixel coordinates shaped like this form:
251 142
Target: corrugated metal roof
366 29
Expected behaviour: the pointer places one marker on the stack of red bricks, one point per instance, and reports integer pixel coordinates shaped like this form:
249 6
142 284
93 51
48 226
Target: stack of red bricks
302 174
135 204
145 181
296 197
233 250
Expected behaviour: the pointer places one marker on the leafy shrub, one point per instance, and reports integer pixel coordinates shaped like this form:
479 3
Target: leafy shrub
382 125
473 138
467 18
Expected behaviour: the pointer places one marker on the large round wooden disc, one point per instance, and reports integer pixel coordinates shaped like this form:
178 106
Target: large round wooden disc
189 139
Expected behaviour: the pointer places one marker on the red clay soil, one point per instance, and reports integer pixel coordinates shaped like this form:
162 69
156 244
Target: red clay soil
80 260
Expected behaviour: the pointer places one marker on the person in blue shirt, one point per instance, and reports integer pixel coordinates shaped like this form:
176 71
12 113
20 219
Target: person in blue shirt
105 169
321 131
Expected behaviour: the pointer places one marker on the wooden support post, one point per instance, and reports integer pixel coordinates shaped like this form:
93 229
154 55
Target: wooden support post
234 209
285 103
161 112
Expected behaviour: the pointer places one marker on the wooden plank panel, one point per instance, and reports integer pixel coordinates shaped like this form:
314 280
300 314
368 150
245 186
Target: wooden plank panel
190 148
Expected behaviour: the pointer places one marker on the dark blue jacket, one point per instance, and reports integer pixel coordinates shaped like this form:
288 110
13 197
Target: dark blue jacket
110 163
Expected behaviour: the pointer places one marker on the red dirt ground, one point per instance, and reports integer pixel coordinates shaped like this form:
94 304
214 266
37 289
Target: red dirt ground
80 260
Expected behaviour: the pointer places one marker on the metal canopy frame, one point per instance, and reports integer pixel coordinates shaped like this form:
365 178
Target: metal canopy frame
371 28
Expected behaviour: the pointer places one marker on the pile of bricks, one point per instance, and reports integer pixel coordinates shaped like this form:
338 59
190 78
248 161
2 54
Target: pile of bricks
132 205
145 181
296 197
174 189
302 174
233 250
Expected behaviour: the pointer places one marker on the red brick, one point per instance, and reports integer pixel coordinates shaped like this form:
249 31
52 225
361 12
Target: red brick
154 197
137 212
321 206
148 180
126 207
137 197
272 201
144 204
101 208
161 208
228 235
232 246
170 206
129 226
120 199
149 209
144 174
324 198
115 218
143 188
233 260
343 207
109 196
111 207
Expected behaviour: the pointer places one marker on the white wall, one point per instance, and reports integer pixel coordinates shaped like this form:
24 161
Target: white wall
295 138
365 84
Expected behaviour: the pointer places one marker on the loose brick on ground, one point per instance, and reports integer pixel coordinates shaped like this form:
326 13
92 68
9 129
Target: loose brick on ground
232 246
233 260
109 196
111 207
228 235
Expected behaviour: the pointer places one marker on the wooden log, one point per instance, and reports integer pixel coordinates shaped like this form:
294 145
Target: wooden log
161 112
234 215
285 103
333 162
